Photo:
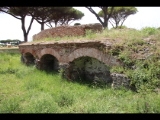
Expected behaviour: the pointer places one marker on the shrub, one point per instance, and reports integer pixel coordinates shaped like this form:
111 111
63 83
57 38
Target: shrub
149 30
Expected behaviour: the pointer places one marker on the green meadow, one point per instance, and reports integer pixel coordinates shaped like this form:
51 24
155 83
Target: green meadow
25 89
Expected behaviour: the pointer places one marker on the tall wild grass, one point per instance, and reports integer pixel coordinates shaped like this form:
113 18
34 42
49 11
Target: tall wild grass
25 89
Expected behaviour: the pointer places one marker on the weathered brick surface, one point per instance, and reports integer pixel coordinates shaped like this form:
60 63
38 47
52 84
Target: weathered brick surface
120 80
66 52
62 31
94 59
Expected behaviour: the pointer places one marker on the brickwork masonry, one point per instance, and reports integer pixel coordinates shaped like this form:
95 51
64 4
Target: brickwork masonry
62 31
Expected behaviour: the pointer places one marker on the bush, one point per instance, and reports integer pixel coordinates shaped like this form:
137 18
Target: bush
146 76
149 30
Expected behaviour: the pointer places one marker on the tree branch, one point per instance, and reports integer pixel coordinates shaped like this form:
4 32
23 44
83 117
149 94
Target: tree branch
91 10
11 14
111 24
30 25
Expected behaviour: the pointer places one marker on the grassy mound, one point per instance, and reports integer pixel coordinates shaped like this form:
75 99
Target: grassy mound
137 49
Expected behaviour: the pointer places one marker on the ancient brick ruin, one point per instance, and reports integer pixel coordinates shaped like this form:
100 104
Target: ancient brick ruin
62 31
79 60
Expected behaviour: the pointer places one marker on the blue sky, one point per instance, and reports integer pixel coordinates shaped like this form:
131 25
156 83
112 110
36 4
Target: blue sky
10 27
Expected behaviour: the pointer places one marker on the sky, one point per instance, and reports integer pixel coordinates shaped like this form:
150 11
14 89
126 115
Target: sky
10 27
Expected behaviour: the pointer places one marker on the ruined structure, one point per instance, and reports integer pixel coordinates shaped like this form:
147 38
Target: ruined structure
62 31
78 60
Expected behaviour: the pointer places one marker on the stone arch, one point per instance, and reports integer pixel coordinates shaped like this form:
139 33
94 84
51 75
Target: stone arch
28 58
96 70
94 53
48 51
28 51
88 69
48 62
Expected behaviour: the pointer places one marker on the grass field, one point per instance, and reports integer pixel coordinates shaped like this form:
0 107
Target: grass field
25 89
12 49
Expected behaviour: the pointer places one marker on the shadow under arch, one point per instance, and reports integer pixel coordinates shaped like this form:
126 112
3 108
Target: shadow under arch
49 63
28 58
86 69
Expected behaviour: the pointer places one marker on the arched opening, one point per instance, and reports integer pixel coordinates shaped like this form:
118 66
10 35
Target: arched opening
28 59
88 69
49 63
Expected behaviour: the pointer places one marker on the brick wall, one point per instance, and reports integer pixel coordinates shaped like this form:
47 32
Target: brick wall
62 31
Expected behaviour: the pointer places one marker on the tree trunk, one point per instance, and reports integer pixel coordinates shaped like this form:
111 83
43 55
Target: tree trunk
106 16
42 26
97 16
105 24
117 24
41 22
56 23
25 35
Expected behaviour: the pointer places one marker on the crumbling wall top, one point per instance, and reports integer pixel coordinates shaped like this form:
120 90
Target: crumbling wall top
61 31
